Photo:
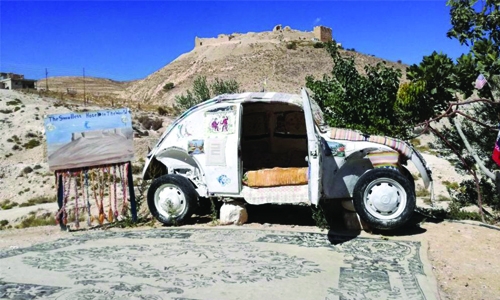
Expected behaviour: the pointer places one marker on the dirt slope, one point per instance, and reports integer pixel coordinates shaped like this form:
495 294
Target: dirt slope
248 58
91 85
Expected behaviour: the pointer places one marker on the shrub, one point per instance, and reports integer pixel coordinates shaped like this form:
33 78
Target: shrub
467 194
38 200
31 135
31 144
137 169
168 86
27 170
292 45
422 192
165 111
450 185
14 102
8 205
33 220
319 45
201 91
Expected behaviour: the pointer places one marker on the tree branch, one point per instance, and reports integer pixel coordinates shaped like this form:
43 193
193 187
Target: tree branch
471 151
468 168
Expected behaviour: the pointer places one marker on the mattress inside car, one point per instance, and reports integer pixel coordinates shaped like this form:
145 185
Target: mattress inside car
275 177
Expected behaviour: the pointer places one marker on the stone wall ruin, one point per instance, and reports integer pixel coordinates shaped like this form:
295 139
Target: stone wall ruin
322 33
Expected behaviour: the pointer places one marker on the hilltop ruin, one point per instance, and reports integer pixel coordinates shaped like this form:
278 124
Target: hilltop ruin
320 33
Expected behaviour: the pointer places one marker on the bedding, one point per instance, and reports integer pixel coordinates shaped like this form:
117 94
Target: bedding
276 177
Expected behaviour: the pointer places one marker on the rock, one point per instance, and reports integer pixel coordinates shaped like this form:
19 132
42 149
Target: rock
233 213
348 205
353 222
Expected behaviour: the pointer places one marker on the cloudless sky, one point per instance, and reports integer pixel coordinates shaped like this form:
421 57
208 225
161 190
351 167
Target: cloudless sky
126 40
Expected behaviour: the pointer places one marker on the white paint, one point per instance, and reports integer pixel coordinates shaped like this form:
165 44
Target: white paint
314 157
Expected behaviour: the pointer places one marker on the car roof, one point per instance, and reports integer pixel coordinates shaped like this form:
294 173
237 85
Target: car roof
261 97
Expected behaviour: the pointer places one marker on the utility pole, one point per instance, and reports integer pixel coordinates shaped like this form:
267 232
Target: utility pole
84 98
46 82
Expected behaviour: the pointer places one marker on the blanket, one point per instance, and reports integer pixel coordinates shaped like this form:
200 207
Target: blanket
276 177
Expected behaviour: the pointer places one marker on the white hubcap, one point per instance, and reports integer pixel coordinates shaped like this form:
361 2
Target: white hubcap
170 200
385 198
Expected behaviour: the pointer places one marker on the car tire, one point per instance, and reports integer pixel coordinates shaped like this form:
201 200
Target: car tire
408 175
384 198
172 199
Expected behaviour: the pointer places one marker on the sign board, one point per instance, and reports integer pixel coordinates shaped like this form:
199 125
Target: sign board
76 140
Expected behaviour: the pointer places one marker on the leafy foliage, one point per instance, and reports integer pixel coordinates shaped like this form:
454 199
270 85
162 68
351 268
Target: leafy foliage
168 86
319 45
292 45
467 194
438 80
202 91
363 102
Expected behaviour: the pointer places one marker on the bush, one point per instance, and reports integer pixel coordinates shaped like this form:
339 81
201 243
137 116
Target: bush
14 102
450 185
202 91
166 111
33 220
31 135
292 45
31 144
467 194
8 205
38 200
27 170
168 86
137 169
319 45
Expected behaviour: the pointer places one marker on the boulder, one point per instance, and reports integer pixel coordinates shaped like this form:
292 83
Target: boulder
233 213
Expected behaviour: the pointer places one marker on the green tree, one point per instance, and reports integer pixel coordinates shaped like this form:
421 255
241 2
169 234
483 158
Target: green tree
438 82
202 91
365 102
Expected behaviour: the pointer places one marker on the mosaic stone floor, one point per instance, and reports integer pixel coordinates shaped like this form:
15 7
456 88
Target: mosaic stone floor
175 263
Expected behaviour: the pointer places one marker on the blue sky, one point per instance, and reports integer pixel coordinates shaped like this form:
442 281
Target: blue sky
129 40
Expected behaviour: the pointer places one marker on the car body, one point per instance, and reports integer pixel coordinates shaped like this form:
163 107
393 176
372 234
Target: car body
213 148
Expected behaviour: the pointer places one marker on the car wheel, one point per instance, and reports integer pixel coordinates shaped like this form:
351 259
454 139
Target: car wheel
384 198
172 199
408 175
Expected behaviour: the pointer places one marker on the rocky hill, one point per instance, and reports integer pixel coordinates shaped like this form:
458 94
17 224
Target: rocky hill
92 86
282 57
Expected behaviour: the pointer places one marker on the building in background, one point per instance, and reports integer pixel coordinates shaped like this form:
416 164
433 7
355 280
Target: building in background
11 81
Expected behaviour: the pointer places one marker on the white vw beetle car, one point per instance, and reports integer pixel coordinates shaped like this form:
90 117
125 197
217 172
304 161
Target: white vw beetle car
275 148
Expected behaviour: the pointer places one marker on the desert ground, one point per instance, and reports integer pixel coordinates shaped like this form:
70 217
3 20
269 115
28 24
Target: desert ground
464 255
